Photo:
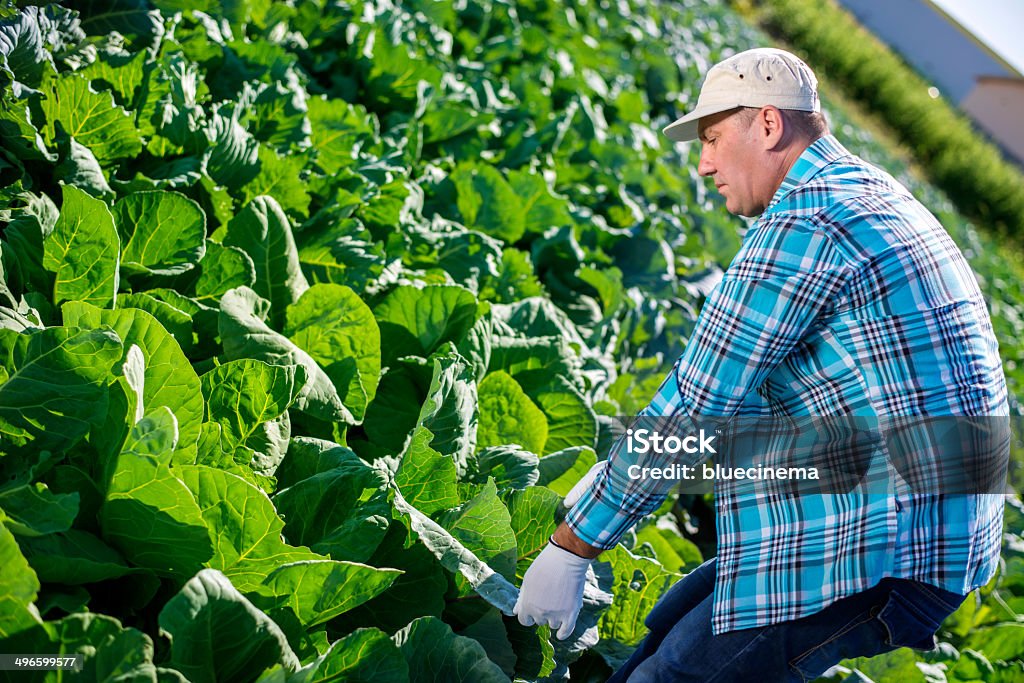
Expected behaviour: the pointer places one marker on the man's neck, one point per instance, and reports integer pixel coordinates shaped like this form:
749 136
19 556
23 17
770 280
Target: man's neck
783 162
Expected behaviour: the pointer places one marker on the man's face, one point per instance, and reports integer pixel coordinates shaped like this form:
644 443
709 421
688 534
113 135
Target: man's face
732 156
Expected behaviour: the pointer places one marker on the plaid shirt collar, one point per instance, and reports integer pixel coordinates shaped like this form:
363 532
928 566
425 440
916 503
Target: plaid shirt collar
819 154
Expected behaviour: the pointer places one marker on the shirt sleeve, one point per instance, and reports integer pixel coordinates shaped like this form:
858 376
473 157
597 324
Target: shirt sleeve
782 280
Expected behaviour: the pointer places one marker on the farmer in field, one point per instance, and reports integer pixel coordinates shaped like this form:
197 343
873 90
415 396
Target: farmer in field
846 298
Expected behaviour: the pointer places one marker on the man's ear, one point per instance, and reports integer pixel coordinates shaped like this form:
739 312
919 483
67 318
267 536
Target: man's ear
772 126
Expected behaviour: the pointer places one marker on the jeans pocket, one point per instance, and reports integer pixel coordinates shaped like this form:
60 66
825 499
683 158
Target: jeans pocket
912 615
862 636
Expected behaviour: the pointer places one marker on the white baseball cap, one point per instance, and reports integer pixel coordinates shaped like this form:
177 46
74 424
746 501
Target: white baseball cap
754 78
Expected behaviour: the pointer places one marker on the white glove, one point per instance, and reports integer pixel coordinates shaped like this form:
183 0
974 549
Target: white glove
577 491
552 591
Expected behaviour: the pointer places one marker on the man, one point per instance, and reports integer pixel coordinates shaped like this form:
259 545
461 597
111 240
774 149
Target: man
847 298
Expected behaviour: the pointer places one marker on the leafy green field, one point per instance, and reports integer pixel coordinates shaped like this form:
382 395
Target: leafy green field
310 312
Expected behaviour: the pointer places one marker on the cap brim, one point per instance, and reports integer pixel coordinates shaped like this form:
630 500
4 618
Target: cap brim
684 129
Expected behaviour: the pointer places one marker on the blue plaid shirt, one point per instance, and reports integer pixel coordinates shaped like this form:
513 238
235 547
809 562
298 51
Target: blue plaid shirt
846 297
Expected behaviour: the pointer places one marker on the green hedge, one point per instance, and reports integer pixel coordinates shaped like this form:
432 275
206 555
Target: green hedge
961 162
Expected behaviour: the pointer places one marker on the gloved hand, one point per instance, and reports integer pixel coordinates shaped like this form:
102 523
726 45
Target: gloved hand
552 591
577 491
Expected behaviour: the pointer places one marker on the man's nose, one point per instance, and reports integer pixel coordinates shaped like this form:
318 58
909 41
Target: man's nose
706 166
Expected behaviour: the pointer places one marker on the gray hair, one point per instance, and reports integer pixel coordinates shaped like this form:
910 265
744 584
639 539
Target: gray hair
810 125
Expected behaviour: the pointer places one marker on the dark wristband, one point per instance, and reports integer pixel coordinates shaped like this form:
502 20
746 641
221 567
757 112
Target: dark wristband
551 540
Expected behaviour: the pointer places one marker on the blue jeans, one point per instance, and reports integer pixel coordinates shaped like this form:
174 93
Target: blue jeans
680 646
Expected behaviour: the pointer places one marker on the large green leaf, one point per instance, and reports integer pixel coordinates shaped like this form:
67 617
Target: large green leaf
450 409
107 650
532 514
483 525
367 655
508 465
154 436
278 115
515 279
344 253
333 325
426 478
20 136
570 420
23 49
123 74
246 335
488 203
436 655
319 590
24 237
674 552
169 115
1001 641
476 346
975 666
280 177
393 72
263 232
91 118
470 257
639 582
74 557
456 557
508 416
417 322
217 636
561 470
394 413
897 665
244 397
307 456
169 378
542 210
538 317
55 385
420 591
172 318
164 232
223 268
342 511
489 630
533 359
232 158
452 118
243 525
336 128
34 510
149 514
83 251
78 167
124 408
18 588
127 17
391 201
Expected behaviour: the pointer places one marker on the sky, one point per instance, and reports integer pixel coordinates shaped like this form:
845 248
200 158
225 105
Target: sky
997 23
